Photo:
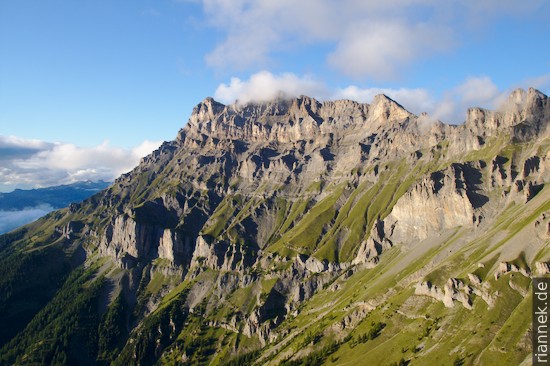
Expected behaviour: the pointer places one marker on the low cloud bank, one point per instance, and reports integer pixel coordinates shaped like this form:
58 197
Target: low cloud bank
10 220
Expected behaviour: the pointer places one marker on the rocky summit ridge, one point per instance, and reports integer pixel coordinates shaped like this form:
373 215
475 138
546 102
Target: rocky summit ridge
297 231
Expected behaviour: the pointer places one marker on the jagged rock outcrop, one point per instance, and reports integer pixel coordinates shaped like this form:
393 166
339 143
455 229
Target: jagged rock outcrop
454 290
505 267
457 290
374 245
427 289
474 279
286 121
350 321
222 255
68 231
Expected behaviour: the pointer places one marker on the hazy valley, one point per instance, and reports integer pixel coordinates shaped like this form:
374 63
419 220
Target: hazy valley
22 206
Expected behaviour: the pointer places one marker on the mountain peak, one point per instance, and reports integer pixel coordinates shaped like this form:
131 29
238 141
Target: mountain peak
382 98
208 106
521 98
385 108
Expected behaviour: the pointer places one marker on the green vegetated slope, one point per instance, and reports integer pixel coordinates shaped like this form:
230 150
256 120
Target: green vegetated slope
418 329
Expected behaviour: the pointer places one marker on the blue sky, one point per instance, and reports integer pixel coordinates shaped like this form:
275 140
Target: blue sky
87 87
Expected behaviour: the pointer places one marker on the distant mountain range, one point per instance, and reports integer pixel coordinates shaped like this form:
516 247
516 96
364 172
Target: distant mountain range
23 206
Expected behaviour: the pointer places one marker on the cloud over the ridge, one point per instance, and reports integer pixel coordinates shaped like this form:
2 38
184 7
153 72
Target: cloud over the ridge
451 107
264 86
363 38
34 163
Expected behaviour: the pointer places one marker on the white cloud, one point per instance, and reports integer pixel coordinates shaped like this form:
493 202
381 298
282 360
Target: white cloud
446 110
264 86
364 37
477 90
35 163
378 49
241 50
370 37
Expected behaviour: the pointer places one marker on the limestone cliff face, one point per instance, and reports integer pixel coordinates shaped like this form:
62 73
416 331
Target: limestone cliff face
439 201
126 237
